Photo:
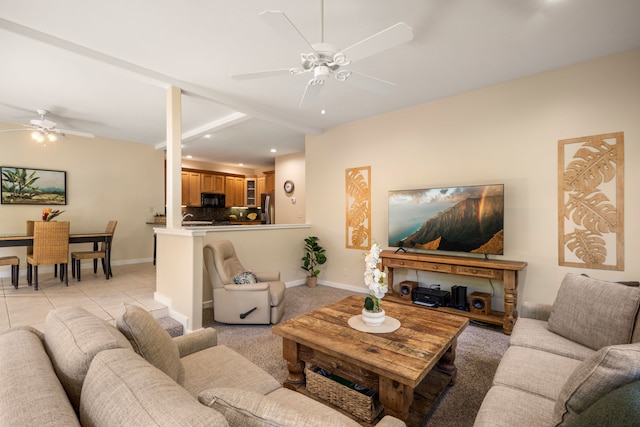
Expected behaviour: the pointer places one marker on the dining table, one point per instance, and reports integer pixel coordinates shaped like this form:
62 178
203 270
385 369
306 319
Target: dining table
95 238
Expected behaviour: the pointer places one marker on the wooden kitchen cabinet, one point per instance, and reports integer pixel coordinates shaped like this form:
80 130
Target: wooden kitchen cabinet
251 195
260 182
212 183
269 181
190 188
206 182
218 183
234 191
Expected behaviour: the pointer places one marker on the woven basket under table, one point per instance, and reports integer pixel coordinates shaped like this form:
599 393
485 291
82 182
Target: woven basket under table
365 407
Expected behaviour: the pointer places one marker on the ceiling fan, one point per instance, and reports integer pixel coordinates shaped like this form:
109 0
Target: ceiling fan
323 60
43 129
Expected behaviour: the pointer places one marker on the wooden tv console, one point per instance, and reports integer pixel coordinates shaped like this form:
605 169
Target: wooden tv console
504 271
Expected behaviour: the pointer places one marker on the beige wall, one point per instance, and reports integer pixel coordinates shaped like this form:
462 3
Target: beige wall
290 208
106 179
503 134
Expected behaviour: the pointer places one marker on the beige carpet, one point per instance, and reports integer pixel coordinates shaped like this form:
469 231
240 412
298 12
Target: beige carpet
478 353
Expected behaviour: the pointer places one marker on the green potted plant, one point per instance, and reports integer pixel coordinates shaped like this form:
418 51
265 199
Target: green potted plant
314 255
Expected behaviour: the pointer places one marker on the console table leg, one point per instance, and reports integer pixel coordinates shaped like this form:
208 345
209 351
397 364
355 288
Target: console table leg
510 301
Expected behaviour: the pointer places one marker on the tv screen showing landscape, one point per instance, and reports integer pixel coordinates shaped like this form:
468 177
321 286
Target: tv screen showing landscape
456 219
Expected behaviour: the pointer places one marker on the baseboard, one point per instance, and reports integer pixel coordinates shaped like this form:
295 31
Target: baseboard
83 266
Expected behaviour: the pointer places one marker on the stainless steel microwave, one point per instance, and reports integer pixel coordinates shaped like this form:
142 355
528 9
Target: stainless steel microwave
212 200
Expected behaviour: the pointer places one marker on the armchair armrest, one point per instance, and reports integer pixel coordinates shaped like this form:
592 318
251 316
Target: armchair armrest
251 287
535 311
268 276
196 341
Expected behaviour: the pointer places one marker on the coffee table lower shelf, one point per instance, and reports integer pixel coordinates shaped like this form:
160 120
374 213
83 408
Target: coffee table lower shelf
424 398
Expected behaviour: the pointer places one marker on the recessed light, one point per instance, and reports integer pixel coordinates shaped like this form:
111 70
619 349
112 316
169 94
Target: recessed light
273 150
208 135
189 156
240 164
323 111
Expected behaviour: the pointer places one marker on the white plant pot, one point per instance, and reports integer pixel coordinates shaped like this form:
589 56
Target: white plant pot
373 319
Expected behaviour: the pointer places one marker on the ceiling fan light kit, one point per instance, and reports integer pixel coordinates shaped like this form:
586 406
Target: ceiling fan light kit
325 60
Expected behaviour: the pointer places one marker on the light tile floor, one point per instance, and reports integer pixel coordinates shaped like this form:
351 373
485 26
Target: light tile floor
133 284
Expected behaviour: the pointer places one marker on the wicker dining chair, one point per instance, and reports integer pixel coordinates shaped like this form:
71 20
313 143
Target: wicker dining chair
14 262
50 246
95 255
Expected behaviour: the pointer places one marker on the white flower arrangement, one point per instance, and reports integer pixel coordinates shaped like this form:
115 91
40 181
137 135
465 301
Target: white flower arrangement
374 278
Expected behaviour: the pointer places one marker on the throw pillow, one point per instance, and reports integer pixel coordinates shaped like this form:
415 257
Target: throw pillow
594 313
245 278
600 373
621 405
150 341
283 407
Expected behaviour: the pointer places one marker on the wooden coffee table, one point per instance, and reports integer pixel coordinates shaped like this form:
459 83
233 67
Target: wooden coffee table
393 364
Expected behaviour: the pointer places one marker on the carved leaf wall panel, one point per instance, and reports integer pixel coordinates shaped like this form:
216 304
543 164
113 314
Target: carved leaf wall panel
358 205
591 202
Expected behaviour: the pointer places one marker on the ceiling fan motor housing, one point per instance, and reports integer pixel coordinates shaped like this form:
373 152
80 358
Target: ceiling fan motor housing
321 72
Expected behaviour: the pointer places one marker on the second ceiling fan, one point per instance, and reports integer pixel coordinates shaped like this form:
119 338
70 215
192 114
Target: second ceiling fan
322 60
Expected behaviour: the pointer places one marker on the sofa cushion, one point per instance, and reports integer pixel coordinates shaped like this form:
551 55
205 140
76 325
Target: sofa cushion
72 337
594 313
220 366
506 407
532 333
150 340
31 394
245 278
608 369
534 371
122 389
281 408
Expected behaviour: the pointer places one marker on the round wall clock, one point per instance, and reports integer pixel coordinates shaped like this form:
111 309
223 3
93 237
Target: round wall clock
288 186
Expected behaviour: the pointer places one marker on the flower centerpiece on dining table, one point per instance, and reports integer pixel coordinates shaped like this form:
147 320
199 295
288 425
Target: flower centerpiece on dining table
48 214
375 279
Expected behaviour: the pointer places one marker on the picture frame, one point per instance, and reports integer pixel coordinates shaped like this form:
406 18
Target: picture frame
30 186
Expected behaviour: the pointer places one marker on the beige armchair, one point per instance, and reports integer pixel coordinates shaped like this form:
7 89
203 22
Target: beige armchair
250 303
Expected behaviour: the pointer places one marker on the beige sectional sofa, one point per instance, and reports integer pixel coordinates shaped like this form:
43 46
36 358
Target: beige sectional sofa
85 371
576 362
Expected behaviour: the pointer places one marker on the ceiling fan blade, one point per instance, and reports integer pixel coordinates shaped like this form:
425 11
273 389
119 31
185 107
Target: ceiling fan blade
265 73
385 39
370 83
283 26
65 132
44 123
15 130
311 94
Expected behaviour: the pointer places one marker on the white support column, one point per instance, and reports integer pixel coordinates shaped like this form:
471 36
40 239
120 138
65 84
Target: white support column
174 157
179 252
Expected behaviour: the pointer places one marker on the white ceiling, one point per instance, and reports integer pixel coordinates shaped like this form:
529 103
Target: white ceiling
102 67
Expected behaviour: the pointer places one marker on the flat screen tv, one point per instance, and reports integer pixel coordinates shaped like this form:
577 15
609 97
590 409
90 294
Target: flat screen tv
456 219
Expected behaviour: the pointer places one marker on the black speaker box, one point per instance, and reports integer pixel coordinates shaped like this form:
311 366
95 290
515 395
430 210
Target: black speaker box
480 303
459 297
406 288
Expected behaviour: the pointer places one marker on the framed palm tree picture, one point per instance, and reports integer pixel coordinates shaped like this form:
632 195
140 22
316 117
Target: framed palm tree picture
24 186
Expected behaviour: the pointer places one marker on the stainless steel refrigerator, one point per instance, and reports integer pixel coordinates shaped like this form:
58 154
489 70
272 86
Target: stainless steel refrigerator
267 211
